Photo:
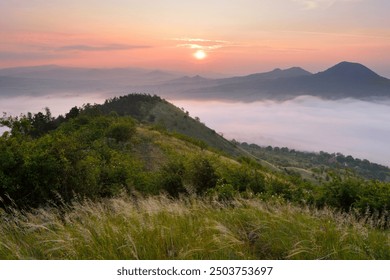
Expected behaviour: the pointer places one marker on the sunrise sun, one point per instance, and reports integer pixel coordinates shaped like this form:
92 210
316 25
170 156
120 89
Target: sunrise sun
200 54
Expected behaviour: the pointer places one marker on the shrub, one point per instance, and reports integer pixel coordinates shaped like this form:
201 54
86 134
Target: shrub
122 132
172 178
202 174
223 191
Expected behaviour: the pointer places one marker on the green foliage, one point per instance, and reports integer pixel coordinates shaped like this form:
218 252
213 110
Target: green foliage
317 165
223 192
29 125
75 159
172 178
123 131
201 174
352 193
246 178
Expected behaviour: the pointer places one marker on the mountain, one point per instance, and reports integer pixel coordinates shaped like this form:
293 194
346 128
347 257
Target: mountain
346 79
53 79
349 71
122 75
343 80
275 74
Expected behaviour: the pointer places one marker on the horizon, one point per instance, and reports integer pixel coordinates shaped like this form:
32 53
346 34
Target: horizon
227 37
209 75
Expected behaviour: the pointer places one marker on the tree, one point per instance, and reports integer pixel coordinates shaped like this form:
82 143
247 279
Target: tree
122 131
202 174
172 175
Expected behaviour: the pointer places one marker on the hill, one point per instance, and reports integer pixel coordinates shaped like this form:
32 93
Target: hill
343 80
315 165
158 112
54 80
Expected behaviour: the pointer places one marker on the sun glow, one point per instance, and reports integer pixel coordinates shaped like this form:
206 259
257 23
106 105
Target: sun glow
200 54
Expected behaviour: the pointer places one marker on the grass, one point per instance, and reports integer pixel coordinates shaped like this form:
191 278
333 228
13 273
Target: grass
188 228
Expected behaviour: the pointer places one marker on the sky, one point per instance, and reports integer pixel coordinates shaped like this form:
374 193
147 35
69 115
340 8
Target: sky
219 36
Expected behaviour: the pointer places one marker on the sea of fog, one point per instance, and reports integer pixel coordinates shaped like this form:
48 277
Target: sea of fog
349 126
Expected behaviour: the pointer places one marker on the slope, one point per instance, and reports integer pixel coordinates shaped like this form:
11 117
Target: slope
156 111
315 165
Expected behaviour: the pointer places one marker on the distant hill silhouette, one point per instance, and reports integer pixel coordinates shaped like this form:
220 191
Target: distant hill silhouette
344 80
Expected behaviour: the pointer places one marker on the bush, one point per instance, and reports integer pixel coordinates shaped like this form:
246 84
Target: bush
223 191
171 176
122 132
202 174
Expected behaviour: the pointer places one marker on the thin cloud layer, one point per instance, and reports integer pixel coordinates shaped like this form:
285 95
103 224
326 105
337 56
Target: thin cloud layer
318 4
205 44
109 47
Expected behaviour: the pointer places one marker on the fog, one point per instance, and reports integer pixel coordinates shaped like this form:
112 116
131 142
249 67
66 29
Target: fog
59 103
349 126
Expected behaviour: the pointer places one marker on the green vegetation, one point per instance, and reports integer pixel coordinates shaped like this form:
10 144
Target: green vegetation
316 165
189 228
96 182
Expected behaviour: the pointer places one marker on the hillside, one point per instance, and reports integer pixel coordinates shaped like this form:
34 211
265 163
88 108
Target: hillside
158 112
315 165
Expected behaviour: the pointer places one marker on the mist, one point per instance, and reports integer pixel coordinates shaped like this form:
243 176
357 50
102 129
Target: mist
58 103
349 126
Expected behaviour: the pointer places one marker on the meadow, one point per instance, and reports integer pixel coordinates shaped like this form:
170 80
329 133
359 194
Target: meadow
157 227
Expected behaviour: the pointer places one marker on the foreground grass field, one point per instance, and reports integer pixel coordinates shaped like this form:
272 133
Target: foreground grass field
161 228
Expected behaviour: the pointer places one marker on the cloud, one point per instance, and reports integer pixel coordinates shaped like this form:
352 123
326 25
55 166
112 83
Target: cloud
9 56
320 4
109 47
199 43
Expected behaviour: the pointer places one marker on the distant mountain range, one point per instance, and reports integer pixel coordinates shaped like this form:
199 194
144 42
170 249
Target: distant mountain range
344 80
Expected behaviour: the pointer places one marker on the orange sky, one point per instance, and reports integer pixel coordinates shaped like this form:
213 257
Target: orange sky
239 37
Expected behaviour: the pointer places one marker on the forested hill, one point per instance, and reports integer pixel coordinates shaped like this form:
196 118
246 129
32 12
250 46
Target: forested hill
162 114
315 164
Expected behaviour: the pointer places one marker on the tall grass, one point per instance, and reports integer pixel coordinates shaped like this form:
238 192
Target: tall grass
188 228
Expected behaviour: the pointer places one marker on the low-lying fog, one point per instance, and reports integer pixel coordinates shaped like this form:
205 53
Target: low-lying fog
349 126
352 127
